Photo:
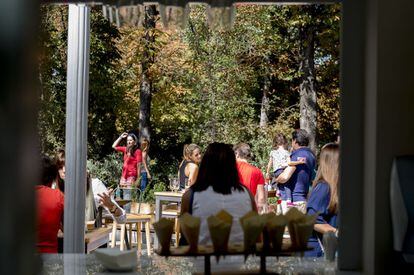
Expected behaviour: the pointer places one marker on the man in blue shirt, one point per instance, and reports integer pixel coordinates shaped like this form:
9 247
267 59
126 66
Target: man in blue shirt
296 179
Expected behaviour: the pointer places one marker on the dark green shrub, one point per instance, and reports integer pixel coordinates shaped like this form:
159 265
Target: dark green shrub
108 170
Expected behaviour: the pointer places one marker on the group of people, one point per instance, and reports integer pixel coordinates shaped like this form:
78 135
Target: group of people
50 196
223 178
51 189
136 160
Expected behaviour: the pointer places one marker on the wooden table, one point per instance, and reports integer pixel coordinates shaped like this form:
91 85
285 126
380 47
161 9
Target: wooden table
96 238
93 238
161 197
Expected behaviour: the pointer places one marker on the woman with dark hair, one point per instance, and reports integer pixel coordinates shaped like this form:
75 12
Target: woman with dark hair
132 158
59 159
218 187
132 163
323 200
104 198
50 205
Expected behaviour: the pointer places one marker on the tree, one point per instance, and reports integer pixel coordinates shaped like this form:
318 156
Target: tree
307 90
105 92
309 56
197 84
146 88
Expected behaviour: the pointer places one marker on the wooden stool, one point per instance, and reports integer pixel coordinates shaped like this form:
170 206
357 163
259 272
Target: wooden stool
132 219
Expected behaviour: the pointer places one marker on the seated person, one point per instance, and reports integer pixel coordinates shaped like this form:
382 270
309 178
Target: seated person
98 195
323 199
218 187
92 199
59 159
50 205
188 169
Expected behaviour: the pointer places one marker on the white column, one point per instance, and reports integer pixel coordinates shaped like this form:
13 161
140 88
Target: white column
118 22
104 11
76 127
111 16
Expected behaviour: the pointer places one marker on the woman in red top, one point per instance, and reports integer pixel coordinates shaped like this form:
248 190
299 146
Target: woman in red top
49 209
132 159
132 162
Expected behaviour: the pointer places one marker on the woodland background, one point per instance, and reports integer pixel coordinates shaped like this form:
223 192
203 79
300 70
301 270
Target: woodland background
275 70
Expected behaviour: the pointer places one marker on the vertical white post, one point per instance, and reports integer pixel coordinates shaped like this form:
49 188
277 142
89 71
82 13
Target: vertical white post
104 11
111 16
76 127
118 22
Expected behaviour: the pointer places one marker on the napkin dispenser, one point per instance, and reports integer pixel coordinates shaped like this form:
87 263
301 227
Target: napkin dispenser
402 206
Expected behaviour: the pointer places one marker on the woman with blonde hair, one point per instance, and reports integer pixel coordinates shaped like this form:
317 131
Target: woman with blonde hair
188 169
323 199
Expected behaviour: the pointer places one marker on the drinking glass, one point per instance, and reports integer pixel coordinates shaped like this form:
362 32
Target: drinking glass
264 209
171 184
176 185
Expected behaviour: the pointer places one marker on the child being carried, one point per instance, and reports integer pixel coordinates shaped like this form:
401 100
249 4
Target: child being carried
279 158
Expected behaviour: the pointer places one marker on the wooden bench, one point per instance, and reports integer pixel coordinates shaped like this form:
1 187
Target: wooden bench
96 238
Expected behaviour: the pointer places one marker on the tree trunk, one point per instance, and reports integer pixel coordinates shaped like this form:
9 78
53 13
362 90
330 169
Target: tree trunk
307 85
145 94
264 119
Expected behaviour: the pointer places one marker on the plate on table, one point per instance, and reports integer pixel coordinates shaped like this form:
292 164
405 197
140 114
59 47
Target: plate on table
115 260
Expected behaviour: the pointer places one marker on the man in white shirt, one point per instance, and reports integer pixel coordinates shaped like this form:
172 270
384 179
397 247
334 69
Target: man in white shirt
102 197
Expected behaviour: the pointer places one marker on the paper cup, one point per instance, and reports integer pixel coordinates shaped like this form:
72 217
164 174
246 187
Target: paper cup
190 226
164 229
219 233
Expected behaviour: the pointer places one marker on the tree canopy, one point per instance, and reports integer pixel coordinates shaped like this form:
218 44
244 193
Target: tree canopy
206 84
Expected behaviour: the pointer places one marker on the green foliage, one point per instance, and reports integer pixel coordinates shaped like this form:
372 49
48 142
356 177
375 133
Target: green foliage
52 78
272 200
212 99
148 195
108 170
207 84
105 92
